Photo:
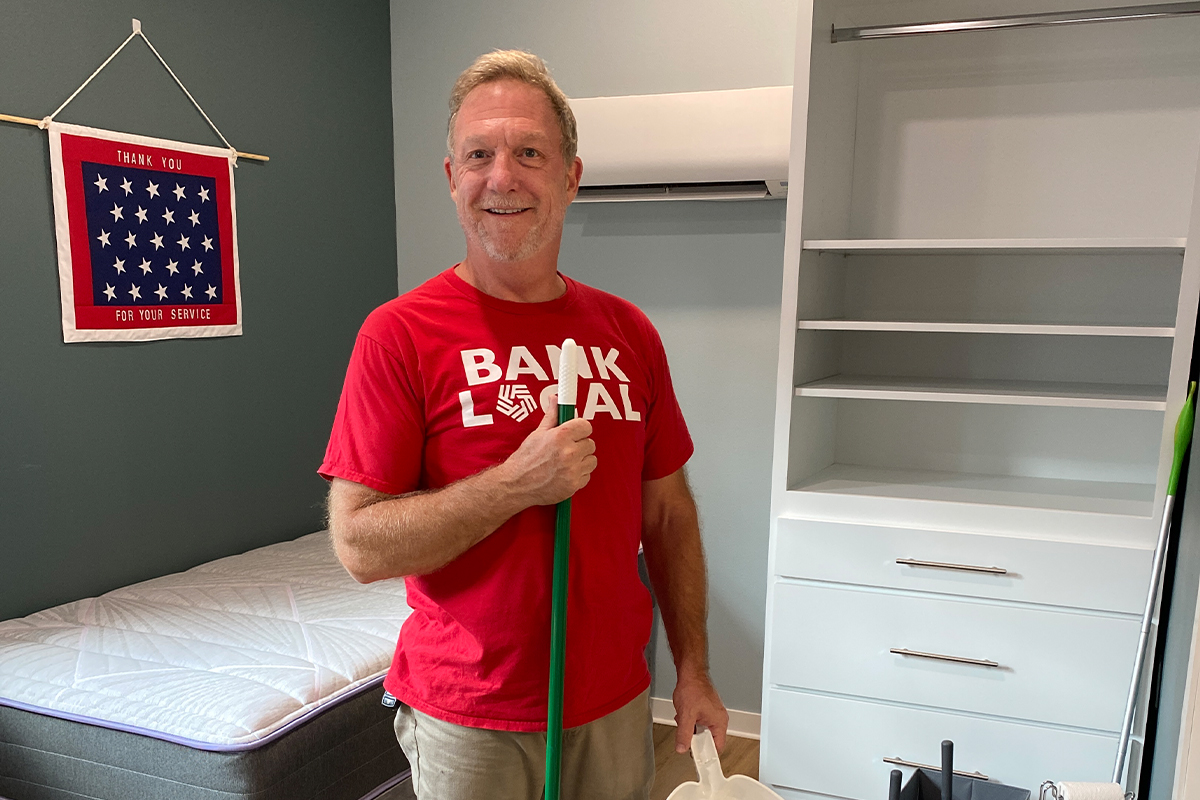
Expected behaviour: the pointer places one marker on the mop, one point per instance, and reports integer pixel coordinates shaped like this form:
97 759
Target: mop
713 783
568 379
1113 791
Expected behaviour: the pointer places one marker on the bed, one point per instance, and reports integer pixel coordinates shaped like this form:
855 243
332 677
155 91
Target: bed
256 676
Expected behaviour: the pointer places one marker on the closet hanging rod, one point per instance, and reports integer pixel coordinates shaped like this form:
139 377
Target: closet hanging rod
1155 11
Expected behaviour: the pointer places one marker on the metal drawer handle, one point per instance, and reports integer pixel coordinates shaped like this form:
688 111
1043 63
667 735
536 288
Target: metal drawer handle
916 562
977 662
902 763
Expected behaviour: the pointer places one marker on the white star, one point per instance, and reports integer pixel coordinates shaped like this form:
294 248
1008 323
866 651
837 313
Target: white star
101 184
117 212
207 244
152 189
178 192
157 240
203 194
173 267
110 291
187 291
169 216
103 238
119 265
161 291
196 268
145 266
127 186
135 293
183 242
211 291
195 218
140 214
131 240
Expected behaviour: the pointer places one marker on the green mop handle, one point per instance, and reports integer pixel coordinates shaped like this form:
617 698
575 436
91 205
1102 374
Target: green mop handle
568 378
1183 438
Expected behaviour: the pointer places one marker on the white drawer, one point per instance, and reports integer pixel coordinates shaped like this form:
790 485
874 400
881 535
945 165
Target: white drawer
1062 667
793 794
836 746
1105 577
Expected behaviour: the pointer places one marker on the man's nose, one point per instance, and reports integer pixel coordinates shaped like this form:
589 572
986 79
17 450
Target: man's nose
503 174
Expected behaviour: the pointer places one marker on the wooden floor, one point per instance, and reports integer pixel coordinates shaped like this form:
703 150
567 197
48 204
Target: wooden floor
671 769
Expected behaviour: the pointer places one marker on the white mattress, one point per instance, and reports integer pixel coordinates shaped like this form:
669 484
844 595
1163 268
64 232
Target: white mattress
225 656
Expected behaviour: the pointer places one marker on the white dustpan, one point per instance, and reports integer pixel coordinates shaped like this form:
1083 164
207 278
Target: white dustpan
713 784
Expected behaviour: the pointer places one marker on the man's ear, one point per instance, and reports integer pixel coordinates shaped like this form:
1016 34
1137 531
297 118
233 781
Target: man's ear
450 177
574 176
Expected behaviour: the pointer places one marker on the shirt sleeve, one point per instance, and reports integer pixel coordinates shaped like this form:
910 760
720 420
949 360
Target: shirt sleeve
668 442
378 432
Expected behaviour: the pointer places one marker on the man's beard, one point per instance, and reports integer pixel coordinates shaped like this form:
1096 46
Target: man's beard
534 239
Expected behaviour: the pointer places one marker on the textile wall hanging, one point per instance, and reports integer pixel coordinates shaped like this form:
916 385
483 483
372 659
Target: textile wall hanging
146 230
147 237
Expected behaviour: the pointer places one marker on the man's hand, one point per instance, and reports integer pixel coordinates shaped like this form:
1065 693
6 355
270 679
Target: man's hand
553 463
697 703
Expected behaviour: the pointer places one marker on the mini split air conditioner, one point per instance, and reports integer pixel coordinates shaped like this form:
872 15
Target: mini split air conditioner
722 145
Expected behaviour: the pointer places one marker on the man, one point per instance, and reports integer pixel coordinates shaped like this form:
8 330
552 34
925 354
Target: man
443 470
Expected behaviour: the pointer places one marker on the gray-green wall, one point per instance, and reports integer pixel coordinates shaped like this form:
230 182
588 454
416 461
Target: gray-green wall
119 462
708 274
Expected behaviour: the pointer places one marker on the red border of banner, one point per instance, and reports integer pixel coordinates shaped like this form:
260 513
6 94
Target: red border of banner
76 150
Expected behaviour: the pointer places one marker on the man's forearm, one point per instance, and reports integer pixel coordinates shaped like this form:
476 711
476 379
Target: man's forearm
415 534
379 536
675 560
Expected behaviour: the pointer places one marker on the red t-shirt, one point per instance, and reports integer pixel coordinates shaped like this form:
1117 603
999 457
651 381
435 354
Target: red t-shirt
445 381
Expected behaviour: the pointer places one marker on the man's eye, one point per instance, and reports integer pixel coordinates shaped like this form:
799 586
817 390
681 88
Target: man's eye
529 152
477 154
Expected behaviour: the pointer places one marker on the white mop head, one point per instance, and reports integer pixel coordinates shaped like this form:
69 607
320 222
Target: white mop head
1070 790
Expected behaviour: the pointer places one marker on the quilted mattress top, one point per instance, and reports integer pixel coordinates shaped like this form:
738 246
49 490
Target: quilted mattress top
226 656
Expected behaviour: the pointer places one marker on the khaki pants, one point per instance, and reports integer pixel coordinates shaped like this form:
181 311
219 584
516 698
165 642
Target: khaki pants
611 758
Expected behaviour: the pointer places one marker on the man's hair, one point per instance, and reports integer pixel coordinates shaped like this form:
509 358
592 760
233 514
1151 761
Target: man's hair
516 65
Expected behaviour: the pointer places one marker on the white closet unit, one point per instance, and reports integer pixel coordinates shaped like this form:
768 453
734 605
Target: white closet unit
989 306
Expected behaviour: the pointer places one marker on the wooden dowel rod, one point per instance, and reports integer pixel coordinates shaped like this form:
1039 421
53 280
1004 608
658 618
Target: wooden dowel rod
36 122
20 120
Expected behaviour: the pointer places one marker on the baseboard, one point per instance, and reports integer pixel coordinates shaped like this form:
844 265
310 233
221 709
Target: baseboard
743 724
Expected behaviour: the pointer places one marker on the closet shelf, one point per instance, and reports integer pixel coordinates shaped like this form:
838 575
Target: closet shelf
1100 497
1043 329
990 392
996 246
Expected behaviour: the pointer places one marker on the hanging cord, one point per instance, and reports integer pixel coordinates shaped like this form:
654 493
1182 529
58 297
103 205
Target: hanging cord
137 31
47 120
232 149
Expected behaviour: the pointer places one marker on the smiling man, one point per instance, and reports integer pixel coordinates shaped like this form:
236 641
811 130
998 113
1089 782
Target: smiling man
444 470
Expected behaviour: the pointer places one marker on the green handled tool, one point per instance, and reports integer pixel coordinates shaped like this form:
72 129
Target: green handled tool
568 379
1183 438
